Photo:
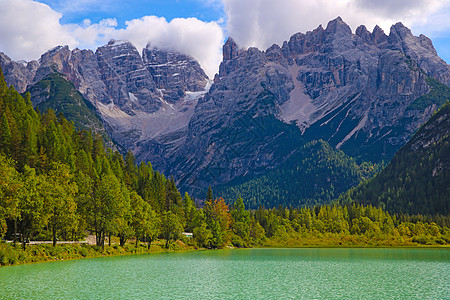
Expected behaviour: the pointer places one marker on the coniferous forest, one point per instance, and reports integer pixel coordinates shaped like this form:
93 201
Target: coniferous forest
58 183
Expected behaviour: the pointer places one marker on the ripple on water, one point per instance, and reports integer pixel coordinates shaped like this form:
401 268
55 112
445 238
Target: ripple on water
239 274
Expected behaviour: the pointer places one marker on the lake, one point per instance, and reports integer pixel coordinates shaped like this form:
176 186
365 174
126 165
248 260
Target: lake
239 274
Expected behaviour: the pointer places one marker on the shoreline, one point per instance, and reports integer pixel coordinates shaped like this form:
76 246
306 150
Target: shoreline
62 252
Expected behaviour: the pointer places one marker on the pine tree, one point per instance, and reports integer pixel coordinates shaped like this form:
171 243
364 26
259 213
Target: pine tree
209 195
5 136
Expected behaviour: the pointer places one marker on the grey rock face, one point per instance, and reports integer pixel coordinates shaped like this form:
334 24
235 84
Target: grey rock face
18 74
128 90
355 91
352 90
174 73
129 83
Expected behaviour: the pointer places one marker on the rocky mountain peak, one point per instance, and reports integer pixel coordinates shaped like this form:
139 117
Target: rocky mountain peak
399 34
378 35
338 27
363 33
230 49
174 73
53 51
419 49
118 46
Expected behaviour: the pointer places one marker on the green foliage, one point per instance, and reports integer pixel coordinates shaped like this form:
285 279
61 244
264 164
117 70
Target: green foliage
11 186
61 183
171 227
417 179
57 93
218 221
315 175
438 95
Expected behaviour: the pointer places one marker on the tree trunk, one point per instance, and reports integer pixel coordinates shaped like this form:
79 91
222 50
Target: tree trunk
123 240
109 239
15 231
137 240
97 237
54 235
24 240
102 240
149 241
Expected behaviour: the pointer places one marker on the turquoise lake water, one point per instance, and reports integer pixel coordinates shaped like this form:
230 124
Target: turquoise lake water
239 274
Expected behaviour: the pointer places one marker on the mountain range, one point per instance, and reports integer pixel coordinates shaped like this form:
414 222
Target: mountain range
360 95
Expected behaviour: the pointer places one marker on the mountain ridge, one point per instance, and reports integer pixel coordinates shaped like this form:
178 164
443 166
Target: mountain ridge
356 91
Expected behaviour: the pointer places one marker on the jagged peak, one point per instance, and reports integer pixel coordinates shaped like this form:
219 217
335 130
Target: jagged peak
362 32
378 35
274 47
230 49
319 28
5 57
377 29
230 41
55 49
400 30
338 25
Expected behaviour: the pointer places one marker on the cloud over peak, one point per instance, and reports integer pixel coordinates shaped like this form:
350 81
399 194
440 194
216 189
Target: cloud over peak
261 23
37 28
28 28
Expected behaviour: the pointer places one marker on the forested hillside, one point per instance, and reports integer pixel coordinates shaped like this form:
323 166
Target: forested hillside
417 180
55 92
59 183
315 175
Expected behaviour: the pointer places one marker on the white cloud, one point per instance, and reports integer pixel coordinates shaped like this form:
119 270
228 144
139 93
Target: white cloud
90 35
28 28
436 25
191 36
261 23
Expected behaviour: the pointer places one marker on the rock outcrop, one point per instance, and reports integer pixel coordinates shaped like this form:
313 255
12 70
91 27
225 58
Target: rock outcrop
355 91
365 93
131 92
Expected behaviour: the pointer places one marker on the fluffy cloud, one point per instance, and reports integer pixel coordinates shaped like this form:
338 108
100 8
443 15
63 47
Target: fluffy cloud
199 39
28 34
29 28
261 23
400 8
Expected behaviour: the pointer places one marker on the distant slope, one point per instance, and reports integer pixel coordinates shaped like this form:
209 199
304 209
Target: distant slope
417 180
59 94
316 175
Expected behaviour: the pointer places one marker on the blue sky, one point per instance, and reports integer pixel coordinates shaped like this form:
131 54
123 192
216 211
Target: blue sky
199 27
133 9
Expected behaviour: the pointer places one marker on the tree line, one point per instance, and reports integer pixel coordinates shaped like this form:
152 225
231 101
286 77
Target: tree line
57 182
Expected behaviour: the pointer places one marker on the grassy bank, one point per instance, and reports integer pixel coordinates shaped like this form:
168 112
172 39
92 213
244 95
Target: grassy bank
14 255
343 240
